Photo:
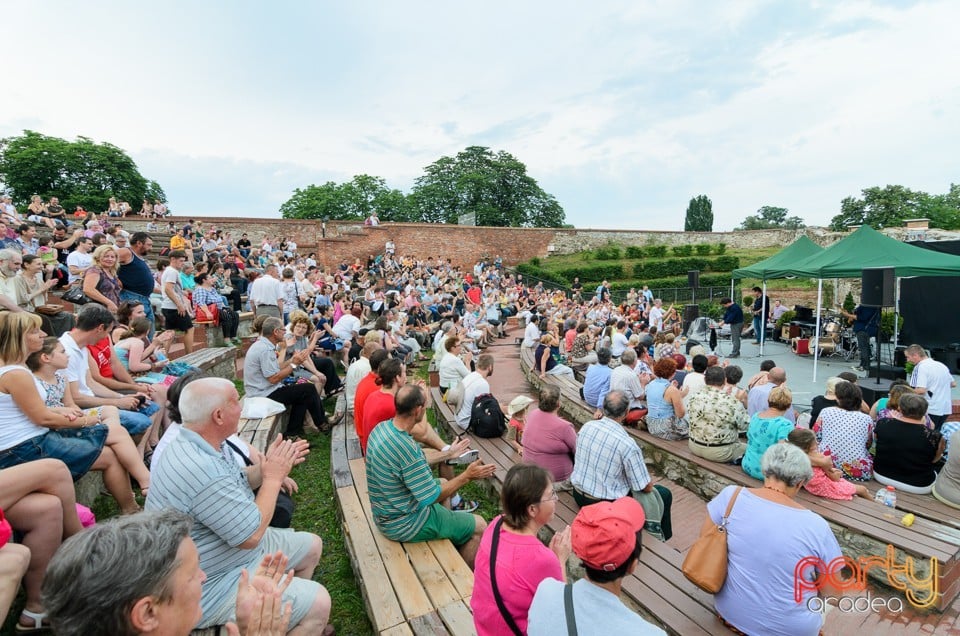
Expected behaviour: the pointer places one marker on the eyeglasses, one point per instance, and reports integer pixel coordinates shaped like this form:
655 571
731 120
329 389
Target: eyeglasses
553 497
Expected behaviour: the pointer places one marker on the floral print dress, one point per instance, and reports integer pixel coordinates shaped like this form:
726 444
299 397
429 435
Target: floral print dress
845 437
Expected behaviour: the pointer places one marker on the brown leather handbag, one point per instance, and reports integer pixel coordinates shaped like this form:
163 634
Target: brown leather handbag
706 562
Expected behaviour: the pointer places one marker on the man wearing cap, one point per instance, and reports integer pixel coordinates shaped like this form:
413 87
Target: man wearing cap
610 465
607 538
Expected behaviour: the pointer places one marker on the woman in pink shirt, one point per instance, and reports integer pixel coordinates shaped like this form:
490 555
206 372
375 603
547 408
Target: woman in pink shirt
549 441
519 560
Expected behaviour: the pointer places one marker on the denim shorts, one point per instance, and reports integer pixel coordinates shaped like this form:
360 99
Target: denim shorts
78 448
136 422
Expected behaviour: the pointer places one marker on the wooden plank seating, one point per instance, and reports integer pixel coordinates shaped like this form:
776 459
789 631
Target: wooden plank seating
862 527
658 589
218 361
408 588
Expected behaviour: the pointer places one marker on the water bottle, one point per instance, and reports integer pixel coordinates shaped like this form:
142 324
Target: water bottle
879 497
890 497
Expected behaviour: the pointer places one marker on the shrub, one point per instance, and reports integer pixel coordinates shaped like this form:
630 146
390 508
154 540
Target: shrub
593 273
535 261
702 249
607 253
634 251
747 301
537 272
710 309
680 266
682 250
720 248
724 264
656 251
849 304
785 318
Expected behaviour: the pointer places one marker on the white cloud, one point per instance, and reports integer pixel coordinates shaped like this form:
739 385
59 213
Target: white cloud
621 110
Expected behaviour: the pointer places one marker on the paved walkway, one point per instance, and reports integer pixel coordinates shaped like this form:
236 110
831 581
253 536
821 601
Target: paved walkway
689 510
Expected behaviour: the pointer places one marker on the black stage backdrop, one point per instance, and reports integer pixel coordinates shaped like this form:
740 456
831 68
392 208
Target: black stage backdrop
931 304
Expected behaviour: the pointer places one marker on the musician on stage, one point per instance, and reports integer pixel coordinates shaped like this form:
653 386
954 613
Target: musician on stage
733 316
866 320
761 309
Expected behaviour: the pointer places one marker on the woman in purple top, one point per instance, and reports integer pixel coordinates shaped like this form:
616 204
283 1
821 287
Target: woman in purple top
549 441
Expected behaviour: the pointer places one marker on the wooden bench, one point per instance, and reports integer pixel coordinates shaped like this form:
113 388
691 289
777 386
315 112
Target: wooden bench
657 589
408 588
862 527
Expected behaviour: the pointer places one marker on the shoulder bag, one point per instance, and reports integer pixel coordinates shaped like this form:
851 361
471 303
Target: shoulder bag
706 562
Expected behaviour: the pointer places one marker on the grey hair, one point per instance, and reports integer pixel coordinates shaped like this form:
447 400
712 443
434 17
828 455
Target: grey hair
270 325
628 357
913 406
603 356
202 397
549 398
98 575
787 463
446 326
6 254
615 404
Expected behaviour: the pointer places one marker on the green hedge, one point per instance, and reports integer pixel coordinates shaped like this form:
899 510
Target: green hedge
706 280
682 250
634 252
592 273
607 253
655 251
680 266
538 272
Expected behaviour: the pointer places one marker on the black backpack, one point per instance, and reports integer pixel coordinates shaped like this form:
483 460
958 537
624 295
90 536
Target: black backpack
486 417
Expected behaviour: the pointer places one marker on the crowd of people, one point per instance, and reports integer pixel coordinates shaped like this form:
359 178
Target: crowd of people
101 394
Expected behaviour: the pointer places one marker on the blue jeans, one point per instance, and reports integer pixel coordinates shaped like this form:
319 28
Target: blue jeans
758 328
136 422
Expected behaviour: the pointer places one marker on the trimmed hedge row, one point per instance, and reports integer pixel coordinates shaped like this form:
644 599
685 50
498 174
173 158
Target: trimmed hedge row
708 280
678 266
612 252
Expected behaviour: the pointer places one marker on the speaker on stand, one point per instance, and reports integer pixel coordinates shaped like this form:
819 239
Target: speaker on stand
878 289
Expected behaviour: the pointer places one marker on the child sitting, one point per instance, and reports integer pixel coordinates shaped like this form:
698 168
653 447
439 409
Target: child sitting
517 410
826 480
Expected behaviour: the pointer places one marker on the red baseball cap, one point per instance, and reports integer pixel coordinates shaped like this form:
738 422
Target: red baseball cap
603 534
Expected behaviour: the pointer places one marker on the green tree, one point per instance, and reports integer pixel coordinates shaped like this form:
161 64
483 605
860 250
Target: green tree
769 217
943 210
699 215
881 207
350 201
79 172
493 186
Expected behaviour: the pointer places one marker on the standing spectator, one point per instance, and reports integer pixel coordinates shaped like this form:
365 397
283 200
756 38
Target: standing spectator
733 316
263 376
135 275
177 313
932 380
265 294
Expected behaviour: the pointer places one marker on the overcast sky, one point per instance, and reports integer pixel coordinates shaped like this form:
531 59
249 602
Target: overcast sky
622 110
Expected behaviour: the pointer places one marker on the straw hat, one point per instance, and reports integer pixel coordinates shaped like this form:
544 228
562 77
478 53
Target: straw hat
518 404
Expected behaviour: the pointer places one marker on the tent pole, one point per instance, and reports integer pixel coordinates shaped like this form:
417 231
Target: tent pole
896 321
816 330
763 318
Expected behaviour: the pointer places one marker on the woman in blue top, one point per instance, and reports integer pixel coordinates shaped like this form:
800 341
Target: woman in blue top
766 429
665 417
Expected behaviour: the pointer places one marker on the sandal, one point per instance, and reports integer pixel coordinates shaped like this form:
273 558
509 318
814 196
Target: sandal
40 623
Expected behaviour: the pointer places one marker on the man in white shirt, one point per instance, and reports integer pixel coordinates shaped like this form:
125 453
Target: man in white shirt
266 295
474 385
80 259
624 378
656 315
619 341
932 380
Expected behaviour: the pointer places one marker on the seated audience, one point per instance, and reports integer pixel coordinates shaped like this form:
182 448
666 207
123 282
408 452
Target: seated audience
453 367
517 412
846 433
546 356
665 410
947 486
549 441
474 385
520 561
907 451
596 382
408 502
768 534
716 420
231 525
610 466
827 481
608 539
767 428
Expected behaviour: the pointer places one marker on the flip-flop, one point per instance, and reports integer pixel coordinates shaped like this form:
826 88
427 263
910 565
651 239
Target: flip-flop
40 623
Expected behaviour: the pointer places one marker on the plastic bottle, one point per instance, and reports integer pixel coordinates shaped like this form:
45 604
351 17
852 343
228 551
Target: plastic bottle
890 497
881 494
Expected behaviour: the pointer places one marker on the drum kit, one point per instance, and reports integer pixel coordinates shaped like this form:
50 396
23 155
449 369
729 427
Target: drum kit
836 337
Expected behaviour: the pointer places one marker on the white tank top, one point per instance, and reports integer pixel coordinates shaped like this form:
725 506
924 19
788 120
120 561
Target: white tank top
15 426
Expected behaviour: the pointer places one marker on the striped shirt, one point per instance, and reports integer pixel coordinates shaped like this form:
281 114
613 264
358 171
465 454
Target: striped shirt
609 463
401 486
210 486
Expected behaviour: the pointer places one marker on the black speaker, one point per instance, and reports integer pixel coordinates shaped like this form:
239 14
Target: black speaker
691 312
879 287
693 278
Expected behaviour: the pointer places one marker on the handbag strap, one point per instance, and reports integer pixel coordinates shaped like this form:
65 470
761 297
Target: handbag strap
568 609
495 542
726 515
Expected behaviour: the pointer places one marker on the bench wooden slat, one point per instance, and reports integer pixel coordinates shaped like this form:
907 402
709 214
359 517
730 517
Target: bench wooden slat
457 570
399 630
383 607
413 599
431 574
458 618
339 464
353 440
428 625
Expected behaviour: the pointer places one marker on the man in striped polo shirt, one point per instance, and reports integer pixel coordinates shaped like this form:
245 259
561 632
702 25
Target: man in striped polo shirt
408 502
198 476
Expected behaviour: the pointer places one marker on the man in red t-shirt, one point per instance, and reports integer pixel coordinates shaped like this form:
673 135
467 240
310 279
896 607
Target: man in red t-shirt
378 406
365 387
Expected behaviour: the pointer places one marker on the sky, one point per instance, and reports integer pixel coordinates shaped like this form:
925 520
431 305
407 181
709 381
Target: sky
623 111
